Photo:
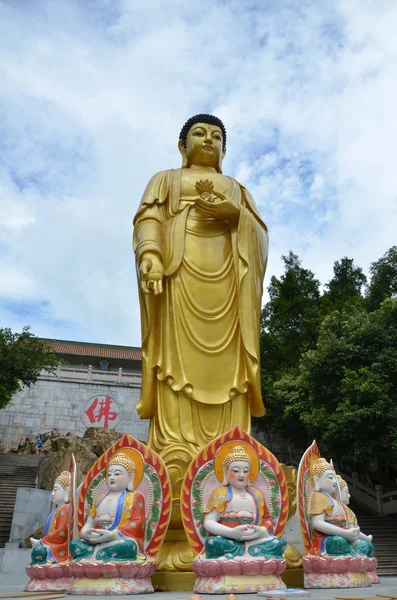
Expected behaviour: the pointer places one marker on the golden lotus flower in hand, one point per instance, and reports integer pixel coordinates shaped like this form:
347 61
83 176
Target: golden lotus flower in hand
205 189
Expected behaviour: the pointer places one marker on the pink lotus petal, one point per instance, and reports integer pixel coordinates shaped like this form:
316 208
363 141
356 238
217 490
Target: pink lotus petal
77 569
53 571
128 570
231 567
108 570
65 569
212 568
280 566
92 570
252 567
143 569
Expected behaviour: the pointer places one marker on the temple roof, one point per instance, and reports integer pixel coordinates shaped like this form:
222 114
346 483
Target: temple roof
98 350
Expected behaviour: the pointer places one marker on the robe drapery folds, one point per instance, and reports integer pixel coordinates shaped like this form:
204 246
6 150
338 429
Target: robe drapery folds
129 522
200 337
55 538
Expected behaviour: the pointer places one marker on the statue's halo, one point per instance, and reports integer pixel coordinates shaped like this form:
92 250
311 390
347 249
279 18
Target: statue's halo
313 459
224 451
138 460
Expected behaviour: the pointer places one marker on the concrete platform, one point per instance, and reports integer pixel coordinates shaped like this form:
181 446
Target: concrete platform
387 586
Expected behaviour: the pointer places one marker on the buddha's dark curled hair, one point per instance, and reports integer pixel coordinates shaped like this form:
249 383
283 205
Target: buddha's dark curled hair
209 119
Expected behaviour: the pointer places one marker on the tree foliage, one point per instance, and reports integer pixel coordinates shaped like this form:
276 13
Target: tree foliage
22 357
383 279
329 360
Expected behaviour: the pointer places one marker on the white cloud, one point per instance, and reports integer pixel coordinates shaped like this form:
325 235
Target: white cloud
93 98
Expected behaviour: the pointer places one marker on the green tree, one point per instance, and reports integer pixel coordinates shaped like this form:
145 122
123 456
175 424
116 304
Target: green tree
290 320
345 286
22 357
344 394
289 327
383 282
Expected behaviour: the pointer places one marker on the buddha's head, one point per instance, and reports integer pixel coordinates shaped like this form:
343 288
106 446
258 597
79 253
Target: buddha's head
120 473
324 476
60 491
237 468
202 142
344 490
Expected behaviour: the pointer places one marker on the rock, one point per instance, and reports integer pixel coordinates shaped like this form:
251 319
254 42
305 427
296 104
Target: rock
5 447
38 534
86 451
99 439
27 445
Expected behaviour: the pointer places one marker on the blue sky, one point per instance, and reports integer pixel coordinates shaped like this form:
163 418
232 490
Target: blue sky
92 100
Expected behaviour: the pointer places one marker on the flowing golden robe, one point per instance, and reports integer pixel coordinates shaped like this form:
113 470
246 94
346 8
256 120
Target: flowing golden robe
200 337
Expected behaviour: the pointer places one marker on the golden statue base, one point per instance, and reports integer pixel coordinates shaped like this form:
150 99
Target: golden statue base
293 578
172 581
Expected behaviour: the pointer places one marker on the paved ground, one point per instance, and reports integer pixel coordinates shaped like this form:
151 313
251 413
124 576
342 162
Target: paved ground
388 586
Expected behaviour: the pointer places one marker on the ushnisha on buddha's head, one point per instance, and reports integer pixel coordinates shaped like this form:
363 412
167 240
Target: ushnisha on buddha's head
324 476
237 468
202 142
60 491
344 490
120 473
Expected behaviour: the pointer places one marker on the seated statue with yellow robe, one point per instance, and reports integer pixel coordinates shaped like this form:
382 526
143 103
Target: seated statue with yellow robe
236 515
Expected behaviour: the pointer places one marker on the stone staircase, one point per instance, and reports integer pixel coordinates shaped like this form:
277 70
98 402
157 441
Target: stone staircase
384 531
16 470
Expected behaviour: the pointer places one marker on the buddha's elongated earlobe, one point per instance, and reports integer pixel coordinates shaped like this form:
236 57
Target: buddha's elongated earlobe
182 150
130 485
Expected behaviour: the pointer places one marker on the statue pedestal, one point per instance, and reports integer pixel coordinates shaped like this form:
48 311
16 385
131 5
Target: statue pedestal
111 579
342 572
371 571
220 576
49 578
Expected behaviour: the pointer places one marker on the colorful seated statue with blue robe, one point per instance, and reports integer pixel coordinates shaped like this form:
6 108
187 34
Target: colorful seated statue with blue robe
115 527
120 518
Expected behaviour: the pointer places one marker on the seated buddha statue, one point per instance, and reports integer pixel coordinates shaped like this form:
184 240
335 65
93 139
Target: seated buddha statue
115 527
363 544
331 533
236 516
53 546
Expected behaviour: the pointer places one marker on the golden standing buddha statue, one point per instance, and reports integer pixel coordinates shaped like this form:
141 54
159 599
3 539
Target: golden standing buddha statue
201 254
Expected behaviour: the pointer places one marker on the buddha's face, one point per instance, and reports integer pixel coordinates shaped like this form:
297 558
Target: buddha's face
118 478
238 474
345 495
58 494
204 146
327 482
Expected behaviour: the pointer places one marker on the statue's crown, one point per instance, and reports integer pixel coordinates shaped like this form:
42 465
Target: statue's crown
64 479
320 466
342 482
123 460
238 453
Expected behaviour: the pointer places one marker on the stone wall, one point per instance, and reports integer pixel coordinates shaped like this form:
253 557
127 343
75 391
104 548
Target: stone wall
55 402
32 507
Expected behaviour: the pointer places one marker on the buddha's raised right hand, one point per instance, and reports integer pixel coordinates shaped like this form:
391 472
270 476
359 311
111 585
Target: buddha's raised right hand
151 274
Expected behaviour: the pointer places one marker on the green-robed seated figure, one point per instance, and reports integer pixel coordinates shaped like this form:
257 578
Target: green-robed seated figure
115 527
236 515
